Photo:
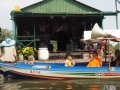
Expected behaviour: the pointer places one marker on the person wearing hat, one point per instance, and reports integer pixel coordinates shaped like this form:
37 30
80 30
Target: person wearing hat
9 54
68 60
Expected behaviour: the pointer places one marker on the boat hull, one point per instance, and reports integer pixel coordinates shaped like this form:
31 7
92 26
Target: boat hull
59 71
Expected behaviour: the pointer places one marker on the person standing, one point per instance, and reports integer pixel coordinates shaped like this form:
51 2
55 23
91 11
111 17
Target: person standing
9 54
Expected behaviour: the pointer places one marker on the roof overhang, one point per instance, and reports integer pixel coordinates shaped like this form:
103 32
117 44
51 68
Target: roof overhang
30 14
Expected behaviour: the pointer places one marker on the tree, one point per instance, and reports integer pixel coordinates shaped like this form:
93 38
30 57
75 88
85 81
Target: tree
116 47
5 33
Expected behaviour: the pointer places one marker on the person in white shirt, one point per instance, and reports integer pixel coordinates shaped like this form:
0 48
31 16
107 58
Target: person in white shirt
9 54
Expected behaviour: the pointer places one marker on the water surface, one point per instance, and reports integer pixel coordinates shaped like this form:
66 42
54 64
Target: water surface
38 84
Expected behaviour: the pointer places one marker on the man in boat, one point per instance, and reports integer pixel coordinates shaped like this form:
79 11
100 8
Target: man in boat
9 54
95 61
116 62
68 60
118 59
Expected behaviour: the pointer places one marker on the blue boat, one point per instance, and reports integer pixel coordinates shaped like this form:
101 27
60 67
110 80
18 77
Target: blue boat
59 71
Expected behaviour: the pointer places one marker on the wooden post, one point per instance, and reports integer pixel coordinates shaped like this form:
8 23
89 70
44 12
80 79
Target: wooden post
84 25
117 21
105 51
13 28
102 24
109 54
116 5
34 34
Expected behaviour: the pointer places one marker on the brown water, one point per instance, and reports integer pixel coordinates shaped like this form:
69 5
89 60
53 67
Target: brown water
81 84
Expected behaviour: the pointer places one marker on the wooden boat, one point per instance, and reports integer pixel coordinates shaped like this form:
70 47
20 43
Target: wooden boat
59 71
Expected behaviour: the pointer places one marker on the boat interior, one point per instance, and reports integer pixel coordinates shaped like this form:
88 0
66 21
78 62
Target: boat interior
79 67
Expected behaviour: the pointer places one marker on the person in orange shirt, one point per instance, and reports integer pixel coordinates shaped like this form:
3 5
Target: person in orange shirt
68 62
95 61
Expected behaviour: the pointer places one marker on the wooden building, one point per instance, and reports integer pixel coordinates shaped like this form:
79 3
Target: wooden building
59 20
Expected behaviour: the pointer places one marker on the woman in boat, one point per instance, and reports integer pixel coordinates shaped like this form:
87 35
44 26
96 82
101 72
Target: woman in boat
115 62
68 60
95 61
9 54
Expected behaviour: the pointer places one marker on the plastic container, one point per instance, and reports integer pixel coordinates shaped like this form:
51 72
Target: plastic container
43 54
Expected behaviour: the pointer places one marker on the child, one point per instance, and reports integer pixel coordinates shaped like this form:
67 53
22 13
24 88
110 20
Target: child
68 61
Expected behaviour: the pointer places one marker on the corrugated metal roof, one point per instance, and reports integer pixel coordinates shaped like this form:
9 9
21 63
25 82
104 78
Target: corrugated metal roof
60 6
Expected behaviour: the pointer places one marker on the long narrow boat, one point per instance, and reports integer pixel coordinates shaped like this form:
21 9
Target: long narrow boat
59 71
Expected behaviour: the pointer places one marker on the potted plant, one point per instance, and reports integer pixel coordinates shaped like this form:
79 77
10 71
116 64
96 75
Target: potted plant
28 53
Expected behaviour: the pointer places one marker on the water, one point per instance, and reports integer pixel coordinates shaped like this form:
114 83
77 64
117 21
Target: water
81 84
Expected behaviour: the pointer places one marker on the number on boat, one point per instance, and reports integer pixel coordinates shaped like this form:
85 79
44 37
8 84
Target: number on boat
35 71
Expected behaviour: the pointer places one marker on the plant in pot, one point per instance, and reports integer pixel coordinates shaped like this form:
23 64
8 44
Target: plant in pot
28 53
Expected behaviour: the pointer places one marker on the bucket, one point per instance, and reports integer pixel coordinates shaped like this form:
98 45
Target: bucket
43 54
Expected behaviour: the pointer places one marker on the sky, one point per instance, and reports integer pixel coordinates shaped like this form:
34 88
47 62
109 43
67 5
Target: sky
6 6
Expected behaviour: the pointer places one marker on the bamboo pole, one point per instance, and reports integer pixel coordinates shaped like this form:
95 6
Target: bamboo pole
102 39
105 52
108 54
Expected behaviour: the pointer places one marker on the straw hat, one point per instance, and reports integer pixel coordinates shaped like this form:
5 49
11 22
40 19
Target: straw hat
8 42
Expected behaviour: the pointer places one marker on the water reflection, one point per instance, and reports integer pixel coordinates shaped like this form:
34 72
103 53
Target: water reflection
109 87
82 84
69 87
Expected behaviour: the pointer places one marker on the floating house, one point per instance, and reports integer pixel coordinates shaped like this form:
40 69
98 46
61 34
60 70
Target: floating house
59 20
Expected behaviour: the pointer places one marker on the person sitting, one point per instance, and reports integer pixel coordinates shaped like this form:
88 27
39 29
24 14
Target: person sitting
9 54
118 60
68 60
73 45
115 62
95 61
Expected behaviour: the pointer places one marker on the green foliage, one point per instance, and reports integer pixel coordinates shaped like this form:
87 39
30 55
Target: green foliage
113 48
116 47
5 34
28 51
